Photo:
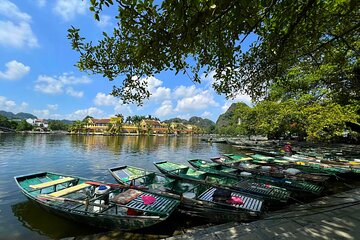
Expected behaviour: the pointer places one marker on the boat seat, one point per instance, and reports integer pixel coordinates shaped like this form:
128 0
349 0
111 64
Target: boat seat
196 174
69 190
228 170
51 183
161 206
249 203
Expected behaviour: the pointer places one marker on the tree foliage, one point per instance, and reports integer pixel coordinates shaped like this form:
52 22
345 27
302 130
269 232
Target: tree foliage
189 36
315 121
55 125
24 126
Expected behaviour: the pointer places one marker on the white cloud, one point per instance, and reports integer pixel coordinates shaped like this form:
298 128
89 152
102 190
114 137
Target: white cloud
206 114
69 79
158 93
123 109
82 113
41 3
42 113
198 102
56 84
10 10
226 106
183 91
10 105
239 98
52 106
14 70
48 85
184 116
17 35
105 21
23 106
165 109
68 9
152 83
6 104
16 30
56 116
70 91
103 99
161 93
208 79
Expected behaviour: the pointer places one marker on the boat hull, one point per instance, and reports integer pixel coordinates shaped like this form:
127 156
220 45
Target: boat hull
196 207
106 220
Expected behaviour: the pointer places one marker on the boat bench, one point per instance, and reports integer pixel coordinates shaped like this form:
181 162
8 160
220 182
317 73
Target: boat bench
69 190
250 203
228 170
195 174
162 205
51 183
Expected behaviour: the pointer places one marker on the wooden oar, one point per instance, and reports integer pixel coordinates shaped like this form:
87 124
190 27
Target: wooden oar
62 199
117 185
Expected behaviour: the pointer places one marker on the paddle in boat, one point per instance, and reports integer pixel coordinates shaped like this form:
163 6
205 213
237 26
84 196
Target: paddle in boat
210 203
111 206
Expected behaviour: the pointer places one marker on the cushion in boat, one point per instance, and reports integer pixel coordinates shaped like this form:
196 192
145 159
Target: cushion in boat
125 197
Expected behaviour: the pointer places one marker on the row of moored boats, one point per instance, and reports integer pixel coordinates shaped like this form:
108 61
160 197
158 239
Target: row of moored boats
227 188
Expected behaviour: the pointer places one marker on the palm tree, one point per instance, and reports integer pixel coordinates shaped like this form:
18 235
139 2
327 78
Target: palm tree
137 120
169 130
77 126
128 120
119 115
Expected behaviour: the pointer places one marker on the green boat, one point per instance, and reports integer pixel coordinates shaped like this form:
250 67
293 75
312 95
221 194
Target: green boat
302 164
220 170
197 199
271 194
344 168
110 206
265 168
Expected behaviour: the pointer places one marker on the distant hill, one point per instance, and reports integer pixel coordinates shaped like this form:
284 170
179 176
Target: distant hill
19 115
203 123
225 119
68 122
177 120
206 124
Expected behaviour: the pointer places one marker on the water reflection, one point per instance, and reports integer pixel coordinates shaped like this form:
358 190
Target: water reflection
85 156
118 144
36 219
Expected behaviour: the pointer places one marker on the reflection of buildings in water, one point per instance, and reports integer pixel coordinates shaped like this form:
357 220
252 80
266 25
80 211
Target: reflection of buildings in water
143 143
36 219
91 142
126 144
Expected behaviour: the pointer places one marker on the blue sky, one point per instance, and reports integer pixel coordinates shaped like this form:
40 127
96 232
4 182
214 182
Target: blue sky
38 76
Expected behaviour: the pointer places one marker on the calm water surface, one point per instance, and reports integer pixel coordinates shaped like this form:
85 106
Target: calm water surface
85 156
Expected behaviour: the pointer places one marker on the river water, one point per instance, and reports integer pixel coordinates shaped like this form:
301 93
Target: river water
85 156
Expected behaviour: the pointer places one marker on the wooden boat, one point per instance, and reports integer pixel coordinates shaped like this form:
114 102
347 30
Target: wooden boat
271 194
272 170
196 198
343 166
102 205
220 170
305 165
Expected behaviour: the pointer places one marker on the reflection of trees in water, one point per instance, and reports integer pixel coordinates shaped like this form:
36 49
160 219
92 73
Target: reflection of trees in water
118 144
38 220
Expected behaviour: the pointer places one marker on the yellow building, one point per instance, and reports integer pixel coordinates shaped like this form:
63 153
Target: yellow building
102 125
153 126
146 126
